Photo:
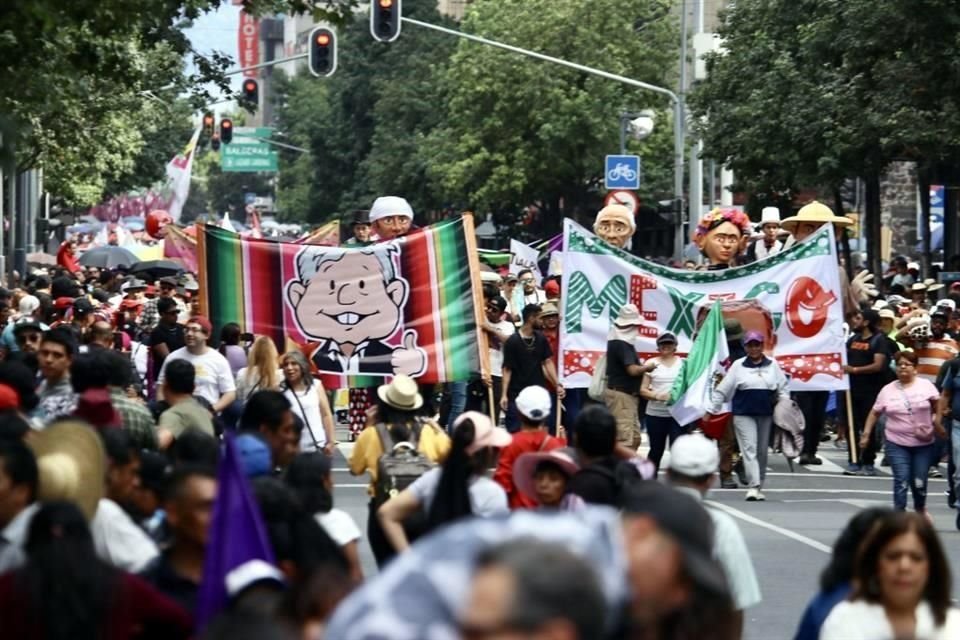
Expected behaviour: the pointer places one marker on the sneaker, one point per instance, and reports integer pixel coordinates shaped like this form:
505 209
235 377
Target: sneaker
810 459
752 494
869 470
760 496
951 499
852 470
935 472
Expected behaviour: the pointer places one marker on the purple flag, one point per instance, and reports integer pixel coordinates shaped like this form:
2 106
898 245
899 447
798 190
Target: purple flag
237 535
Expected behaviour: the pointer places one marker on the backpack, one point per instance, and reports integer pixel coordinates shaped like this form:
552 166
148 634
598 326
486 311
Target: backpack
399 465
623 475
598 381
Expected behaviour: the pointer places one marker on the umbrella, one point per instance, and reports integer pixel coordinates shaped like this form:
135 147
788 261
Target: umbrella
41 259
108 257
157 268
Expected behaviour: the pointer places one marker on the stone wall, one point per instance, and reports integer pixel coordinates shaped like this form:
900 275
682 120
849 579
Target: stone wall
898 207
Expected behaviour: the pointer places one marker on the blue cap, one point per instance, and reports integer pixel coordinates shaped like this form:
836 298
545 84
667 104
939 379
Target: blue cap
254 455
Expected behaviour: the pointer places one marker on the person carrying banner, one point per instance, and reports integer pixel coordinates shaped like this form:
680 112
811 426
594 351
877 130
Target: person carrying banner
624 372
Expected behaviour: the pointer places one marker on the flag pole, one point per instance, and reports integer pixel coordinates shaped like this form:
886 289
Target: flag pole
202 270
852 443
476 288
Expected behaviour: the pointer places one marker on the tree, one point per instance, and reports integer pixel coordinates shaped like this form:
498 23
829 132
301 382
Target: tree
517 131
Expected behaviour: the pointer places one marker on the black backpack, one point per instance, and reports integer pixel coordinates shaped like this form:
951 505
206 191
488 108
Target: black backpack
623 475
400 464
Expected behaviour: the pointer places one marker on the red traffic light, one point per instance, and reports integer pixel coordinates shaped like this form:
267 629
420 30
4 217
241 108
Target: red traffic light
385 19
226 124
322 56
249 85
386 4
323 39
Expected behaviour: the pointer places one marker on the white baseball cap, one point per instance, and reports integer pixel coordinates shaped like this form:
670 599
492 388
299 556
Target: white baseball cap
386 206
534 403
694 455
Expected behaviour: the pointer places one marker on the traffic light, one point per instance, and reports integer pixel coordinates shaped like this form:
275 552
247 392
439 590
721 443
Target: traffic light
215 142
208 124
385 20
323 52
226 130
251 92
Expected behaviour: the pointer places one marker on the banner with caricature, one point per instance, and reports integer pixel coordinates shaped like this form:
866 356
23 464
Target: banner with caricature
359 314
793 298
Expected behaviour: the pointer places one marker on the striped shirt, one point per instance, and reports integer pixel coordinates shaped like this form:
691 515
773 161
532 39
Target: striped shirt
932 354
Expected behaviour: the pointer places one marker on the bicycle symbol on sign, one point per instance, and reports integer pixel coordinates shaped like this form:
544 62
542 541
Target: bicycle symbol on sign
621 171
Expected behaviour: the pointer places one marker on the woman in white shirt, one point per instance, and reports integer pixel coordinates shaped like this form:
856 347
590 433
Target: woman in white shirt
901 586
655 387
309 476
458 489
308 401
262 370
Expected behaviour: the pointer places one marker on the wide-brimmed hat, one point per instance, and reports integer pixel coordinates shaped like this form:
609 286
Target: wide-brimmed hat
887 314
549 309
525 466
629 316
402 393
71 463
770 215
815 213
932 285
918 287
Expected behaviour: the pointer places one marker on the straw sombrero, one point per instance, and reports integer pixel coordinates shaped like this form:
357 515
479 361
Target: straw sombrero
815 213
71 464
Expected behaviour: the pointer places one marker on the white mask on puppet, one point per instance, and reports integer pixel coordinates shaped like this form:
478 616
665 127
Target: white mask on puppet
615 224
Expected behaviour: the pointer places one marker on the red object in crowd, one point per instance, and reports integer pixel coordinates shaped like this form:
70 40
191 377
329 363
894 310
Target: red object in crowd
155 222
66 257
9 398
714 426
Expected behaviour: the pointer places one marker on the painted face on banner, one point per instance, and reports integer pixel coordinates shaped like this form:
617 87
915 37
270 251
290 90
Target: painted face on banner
349 300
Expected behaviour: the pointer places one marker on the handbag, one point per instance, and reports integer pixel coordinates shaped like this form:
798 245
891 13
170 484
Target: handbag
598 381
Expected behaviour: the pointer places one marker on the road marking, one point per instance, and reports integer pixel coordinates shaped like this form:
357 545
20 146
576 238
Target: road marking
801 490
859 504
793 535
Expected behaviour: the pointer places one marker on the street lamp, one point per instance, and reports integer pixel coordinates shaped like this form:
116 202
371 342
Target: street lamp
638 125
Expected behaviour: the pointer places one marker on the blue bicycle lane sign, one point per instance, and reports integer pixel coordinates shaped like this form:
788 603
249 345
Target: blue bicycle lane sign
621 172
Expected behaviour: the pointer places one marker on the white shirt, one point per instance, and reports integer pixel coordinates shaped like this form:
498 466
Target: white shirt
118 540
306 404
861 620
487 498
214 377
496 353
339 526
14 537
661 381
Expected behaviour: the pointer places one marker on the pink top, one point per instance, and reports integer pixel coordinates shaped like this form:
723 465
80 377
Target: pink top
909 419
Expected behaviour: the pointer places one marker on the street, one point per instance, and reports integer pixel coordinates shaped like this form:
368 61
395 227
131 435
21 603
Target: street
789 535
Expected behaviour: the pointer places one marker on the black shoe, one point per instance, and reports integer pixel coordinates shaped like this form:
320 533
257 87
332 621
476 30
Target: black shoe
741 472
958 520
728 483
809 459
951 499
886 462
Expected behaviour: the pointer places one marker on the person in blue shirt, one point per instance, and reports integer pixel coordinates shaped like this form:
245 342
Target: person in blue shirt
835 580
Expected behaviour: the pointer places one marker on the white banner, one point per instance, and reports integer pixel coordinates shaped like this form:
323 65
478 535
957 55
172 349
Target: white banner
524 257
793 298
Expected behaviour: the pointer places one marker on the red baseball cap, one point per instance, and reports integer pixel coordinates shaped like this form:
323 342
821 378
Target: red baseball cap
203 322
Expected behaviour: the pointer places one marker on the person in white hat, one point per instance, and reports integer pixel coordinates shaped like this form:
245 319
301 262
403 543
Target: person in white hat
693 469
390 217
767 244
624 374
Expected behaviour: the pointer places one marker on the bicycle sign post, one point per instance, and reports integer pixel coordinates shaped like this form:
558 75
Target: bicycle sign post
621 172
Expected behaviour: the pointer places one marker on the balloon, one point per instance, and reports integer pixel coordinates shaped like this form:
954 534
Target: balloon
156 221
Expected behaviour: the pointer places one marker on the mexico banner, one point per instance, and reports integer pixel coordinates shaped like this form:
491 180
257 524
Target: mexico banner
793 298
359 314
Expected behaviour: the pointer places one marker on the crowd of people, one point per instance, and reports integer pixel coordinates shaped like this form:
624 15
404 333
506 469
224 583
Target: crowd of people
502 507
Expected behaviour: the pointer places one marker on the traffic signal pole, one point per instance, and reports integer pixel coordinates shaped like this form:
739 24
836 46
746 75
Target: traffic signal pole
675 101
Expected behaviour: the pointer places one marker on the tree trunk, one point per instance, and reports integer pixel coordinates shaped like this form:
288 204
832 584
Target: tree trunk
871 220
923 183
844 235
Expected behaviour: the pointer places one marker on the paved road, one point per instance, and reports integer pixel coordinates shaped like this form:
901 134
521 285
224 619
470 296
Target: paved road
789 535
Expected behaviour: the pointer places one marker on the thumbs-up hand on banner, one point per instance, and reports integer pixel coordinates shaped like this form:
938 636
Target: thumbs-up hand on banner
409 359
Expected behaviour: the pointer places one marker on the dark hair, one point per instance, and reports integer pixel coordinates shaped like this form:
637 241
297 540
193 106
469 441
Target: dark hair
19 464
452 499
247 625
195 447
264 407
64 337
19 376
165 305
183 473
937 590
100 330
529 311
69 589
522 272
840 569
909 356
490 291
119 446
306 475
41 282
89 370
229 335
499 302
180 376
871 318
13 426
550 582
595 431
119 373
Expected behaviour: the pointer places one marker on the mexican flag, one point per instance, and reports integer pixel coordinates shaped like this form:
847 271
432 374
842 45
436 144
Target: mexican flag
690 395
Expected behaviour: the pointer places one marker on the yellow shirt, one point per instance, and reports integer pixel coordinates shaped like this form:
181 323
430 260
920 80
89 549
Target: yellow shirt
434 444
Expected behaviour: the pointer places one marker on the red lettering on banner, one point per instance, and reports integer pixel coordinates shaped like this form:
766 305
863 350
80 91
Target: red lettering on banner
248 43
806 294
639 284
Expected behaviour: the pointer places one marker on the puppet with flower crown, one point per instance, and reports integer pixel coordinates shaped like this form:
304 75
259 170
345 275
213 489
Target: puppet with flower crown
721 236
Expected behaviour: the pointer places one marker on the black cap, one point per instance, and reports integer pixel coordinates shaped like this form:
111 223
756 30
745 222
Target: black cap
666 338
360 217
26 323
169 280
683 518
82 306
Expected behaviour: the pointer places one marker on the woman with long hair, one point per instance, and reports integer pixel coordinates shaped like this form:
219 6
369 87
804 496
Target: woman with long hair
308 400
230 347
901 586
65 592
458 489
262 370
835 581
910 435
